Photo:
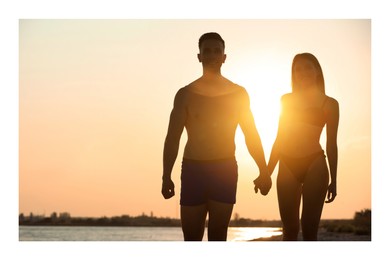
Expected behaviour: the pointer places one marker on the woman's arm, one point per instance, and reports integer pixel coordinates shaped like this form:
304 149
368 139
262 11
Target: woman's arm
275 152
332 112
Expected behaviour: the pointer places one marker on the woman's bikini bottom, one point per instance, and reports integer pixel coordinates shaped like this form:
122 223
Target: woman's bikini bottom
299 166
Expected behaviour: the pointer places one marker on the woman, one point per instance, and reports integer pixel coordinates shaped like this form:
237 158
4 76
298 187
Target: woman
303 171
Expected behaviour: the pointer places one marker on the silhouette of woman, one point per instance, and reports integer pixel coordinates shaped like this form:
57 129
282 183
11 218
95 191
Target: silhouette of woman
303 170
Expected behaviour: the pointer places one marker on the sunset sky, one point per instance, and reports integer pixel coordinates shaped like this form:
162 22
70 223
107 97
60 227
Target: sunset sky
95 98
86 105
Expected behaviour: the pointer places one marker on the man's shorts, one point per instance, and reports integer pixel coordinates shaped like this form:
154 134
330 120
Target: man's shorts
208 180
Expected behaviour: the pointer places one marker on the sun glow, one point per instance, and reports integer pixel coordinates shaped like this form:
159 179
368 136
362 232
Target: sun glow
265 84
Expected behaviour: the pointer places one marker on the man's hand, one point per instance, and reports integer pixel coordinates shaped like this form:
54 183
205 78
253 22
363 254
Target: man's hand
263 183
168 189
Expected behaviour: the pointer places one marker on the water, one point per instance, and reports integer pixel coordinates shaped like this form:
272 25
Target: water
72 233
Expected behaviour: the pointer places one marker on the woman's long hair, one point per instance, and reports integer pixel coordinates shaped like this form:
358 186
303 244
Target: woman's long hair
310 57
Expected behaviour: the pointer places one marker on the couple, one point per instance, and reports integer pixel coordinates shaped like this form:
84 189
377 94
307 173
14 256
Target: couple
211 108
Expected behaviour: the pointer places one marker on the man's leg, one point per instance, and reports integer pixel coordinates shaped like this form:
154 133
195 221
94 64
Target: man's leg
219 218
193 220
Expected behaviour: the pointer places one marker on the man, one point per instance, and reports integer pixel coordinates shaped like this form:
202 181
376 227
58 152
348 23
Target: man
210 108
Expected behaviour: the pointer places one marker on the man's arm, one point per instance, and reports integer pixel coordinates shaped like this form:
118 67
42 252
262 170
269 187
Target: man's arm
254 145
171 145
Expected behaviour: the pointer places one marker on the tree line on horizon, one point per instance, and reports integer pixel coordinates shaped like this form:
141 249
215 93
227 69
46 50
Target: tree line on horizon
65 219
360 224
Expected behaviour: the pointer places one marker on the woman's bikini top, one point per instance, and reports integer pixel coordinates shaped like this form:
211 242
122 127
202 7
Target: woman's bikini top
311 115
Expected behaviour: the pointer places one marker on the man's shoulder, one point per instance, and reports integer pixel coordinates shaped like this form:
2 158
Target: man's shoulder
233 87
286 97
232 84
240 88
188 88
182 92
198 87
240 91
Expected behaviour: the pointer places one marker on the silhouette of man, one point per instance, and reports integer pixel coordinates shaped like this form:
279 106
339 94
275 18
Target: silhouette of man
210 109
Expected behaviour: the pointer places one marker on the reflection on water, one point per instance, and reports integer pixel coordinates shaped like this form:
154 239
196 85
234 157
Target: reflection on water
73 233
246 234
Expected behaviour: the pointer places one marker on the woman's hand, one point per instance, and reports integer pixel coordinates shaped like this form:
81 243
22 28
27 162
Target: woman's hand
263 183
331 193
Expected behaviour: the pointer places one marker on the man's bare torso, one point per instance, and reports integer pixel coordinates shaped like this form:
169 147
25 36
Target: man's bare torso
212 119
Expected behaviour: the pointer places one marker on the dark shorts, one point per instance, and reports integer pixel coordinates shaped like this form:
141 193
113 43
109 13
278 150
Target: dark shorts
208 180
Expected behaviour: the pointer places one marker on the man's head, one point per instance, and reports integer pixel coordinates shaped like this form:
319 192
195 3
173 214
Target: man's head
210 36
211 51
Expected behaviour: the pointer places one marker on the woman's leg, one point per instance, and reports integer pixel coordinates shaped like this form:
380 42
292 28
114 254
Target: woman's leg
289 197
314 192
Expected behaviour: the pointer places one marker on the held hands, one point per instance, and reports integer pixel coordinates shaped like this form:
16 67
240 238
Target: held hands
331 193
168 189
263 183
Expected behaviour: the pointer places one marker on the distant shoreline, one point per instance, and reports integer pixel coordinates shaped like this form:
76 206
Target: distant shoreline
356 229
65 219
323 235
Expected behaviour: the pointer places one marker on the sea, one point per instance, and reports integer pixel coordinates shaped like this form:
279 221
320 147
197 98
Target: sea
88 233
